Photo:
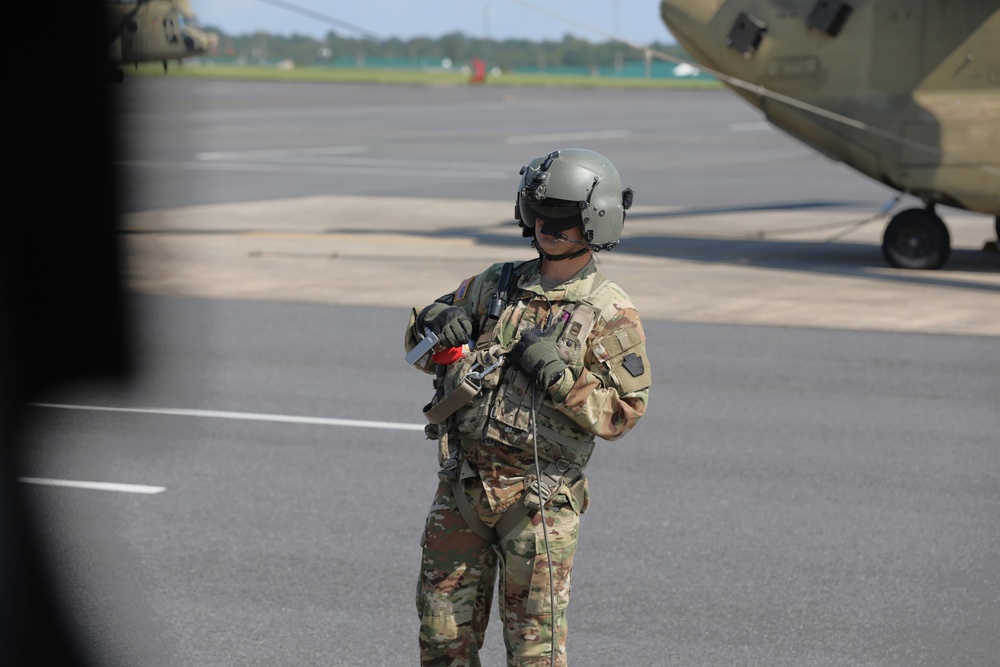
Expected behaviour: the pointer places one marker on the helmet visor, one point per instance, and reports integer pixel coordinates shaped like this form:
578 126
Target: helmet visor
556 214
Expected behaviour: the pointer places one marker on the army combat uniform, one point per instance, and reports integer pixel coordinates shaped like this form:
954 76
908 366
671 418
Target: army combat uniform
488 461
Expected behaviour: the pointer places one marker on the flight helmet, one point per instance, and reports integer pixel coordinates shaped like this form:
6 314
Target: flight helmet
572 187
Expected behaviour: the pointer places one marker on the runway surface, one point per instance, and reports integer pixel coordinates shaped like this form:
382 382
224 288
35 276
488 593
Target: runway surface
816 483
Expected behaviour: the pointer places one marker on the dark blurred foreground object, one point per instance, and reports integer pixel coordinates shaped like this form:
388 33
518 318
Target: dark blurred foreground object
62 312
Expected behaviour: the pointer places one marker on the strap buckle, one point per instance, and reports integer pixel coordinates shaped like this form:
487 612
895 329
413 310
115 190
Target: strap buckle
449 471
474 375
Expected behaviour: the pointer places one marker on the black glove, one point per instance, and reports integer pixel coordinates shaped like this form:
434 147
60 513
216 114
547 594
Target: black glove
537 356
449 323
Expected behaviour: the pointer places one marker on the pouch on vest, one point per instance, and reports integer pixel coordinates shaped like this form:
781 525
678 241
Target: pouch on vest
574 335
437 412
462 382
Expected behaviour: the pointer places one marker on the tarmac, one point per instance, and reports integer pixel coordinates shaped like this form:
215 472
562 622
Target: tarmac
819 490
794 268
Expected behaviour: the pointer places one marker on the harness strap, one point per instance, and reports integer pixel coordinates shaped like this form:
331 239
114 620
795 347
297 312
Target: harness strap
505 525
487 326
555 474
477 526
510 520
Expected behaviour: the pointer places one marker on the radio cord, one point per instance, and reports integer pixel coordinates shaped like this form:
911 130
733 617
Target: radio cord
545 532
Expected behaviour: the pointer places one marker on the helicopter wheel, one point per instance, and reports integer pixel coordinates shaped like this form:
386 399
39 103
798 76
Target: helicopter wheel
916 239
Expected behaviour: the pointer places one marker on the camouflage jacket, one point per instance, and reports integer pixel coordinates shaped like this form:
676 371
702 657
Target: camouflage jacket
603 393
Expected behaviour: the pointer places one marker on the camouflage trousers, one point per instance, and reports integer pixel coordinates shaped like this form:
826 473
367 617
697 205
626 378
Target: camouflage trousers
458 575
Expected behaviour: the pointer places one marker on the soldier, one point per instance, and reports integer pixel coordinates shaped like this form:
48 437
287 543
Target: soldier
550 353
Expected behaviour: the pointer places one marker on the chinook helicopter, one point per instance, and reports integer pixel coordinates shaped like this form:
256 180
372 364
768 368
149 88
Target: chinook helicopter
154 30
907 93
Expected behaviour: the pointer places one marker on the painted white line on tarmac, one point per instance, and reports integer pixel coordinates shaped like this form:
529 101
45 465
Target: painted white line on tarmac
568 136
384 163
327 157
99 486
280 152
246 416
416 169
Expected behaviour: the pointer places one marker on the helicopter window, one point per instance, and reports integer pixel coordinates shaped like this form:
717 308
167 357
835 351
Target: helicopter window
168 27
829 16
746 35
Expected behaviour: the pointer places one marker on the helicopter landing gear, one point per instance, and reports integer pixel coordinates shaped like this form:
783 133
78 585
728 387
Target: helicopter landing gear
994 245
916 239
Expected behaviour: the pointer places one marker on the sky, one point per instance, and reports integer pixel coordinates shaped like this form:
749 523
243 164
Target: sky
637 21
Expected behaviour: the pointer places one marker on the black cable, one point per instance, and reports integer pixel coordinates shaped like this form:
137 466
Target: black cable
545 532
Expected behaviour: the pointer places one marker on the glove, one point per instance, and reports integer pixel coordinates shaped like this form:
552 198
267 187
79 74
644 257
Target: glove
449 323
537 356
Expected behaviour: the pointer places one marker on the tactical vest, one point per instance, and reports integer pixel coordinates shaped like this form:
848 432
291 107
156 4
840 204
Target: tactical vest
481 397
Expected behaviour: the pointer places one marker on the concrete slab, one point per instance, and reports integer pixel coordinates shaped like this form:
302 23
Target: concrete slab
800 268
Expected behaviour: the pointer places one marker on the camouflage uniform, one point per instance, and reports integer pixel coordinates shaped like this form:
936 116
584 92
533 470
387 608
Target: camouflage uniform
604 394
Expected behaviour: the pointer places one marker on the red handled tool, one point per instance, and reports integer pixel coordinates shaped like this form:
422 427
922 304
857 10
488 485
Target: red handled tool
448 355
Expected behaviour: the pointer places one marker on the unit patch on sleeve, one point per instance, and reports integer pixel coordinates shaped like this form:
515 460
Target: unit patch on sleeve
633 364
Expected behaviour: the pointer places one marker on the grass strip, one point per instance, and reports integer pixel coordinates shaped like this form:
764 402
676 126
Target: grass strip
405 77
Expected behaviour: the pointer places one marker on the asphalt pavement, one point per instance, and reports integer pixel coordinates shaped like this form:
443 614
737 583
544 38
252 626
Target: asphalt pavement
816 482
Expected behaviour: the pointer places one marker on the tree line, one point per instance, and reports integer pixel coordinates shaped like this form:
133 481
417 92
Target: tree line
457 47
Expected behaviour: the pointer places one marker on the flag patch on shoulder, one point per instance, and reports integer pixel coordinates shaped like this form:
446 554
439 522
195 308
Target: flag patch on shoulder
463 289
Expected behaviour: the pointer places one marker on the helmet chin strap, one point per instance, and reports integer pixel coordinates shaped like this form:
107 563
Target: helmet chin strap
558 258
562 237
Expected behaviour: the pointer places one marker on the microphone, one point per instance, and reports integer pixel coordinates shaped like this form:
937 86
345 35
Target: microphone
555 233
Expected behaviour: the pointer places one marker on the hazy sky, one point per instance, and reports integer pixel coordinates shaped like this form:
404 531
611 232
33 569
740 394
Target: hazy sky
637 21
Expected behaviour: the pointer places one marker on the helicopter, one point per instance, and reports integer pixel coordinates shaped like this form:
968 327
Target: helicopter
907 93
154 30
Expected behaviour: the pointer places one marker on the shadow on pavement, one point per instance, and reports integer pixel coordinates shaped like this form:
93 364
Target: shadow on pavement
840 258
